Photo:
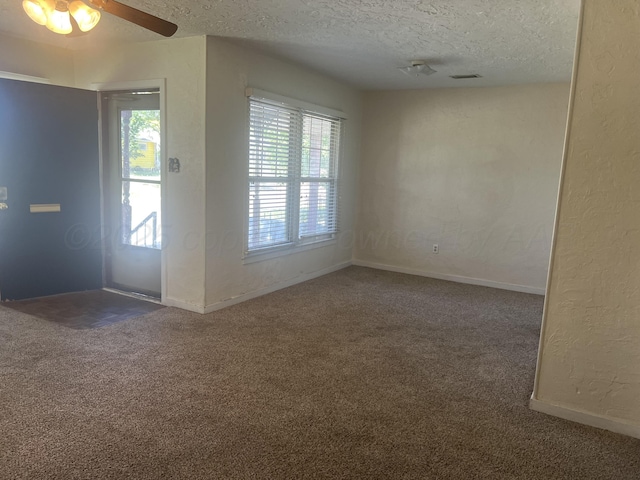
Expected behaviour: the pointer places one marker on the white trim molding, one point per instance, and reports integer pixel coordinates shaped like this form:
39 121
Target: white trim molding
272 288
191 307
615 425
129 85
161 85
24 78
452 278
556 220
294 102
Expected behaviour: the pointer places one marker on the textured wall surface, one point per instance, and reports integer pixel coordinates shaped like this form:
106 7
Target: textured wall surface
36 60
230 69
590 356
182 63
474 170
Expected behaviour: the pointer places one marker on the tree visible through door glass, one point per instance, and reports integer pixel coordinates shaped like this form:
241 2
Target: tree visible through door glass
140 177
140 133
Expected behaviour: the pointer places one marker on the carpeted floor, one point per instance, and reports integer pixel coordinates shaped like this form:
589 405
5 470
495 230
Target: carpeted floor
358 374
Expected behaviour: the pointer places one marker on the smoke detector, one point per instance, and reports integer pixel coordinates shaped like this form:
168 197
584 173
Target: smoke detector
417 68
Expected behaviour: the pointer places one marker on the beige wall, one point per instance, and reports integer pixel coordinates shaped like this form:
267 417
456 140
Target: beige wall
230 69
182 63
473 170
24 57
590 353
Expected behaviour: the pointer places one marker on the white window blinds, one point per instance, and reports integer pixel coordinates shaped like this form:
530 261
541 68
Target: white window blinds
293 166
320 138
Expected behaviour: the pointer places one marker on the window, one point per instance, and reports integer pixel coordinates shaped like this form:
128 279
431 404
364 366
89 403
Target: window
293 166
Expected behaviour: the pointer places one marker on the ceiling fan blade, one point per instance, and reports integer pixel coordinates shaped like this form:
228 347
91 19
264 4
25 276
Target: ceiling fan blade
146 20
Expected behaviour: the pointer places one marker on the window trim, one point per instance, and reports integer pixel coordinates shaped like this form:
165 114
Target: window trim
303 243
268 253
292 102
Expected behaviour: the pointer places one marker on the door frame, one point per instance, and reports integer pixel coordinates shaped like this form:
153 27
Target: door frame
159 84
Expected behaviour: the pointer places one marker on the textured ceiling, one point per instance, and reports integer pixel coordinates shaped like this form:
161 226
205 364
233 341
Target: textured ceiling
362 42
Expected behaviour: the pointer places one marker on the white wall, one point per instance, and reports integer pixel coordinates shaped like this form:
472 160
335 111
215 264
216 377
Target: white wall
230 69
182 63
33 59
589 365
474 170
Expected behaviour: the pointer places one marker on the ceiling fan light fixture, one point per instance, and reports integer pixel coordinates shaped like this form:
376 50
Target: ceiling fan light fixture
69 16
58 20
85 16
38 10
417 68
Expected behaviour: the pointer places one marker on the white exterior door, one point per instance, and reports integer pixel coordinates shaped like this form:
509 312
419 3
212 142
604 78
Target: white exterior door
132 185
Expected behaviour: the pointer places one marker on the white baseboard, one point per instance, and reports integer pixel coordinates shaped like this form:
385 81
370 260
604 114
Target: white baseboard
615 425
452 278
172 302
272 288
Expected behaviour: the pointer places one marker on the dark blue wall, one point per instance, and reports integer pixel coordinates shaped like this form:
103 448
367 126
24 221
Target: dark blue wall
49 154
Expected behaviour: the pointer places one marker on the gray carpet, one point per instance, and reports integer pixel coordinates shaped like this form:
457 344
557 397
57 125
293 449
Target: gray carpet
358 374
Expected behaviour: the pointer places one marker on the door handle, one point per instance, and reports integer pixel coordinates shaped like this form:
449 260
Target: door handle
4 206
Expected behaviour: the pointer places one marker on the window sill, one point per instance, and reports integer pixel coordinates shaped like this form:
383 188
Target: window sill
289 249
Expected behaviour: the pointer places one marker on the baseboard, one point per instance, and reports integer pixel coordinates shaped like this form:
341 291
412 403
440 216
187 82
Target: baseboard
615 425
309 276
172 302
272 288
452 278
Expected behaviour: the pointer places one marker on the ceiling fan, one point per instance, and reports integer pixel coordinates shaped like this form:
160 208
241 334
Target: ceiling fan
69 16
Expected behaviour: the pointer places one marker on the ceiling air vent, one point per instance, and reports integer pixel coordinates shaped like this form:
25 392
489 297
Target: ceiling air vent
462 77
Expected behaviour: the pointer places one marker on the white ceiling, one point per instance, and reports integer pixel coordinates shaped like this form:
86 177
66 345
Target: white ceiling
362 42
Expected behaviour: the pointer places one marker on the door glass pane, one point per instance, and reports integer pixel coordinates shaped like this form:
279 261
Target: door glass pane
140 144
141 214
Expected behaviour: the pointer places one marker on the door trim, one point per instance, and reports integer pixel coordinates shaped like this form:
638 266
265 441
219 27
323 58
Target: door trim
159 84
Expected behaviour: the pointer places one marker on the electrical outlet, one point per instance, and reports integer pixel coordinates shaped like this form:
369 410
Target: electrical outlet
435 248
